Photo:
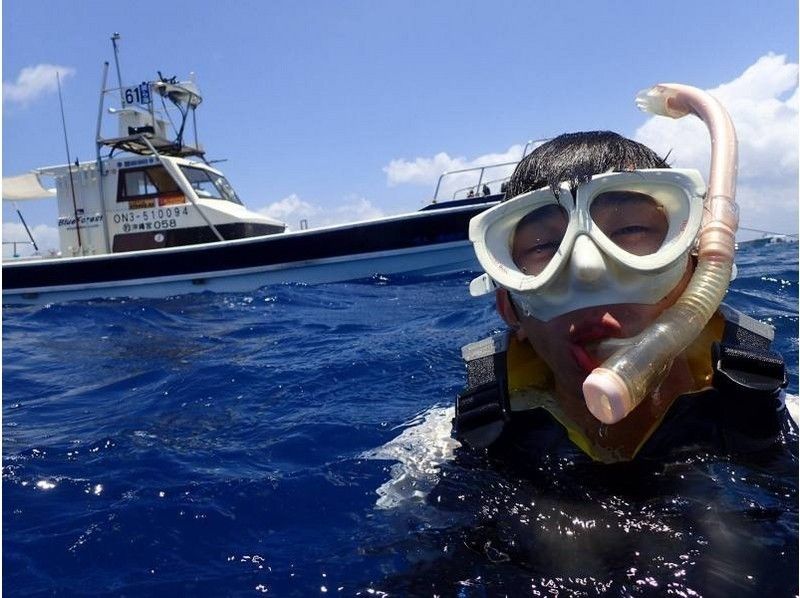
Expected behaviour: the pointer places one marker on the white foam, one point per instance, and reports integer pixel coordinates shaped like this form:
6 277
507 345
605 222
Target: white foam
793 407
420 450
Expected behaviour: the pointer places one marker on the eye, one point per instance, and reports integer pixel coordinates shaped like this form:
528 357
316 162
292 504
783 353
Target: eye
631 230
543 249
538 237
534 259
634 221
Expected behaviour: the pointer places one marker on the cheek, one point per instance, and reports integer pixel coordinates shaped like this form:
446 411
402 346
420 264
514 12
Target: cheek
547 338
675 293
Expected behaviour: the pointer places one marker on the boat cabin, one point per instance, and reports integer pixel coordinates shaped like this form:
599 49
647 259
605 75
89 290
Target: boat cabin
148 202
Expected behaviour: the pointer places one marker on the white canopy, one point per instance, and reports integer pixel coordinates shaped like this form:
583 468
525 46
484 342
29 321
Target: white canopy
25 186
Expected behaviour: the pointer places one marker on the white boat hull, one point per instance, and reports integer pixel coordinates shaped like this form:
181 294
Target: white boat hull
427 243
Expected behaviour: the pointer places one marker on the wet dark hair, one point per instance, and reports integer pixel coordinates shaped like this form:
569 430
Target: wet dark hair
575 157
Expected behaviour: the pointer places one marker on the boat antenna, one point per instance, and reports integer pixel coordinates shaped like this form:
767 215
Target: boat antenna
194 126
98 134
69 165
114 37
25 224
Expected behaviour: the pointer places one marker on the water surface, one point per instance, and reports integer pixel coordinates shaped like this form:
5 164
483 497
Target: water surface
295 441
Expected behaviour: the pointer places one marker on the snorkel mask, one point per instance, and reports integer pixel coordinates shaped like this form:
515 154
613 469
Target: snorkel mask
623 238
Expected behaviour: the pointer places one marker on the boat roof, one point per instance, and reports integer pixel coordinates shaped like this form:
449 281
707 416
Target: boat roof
121 161
134 144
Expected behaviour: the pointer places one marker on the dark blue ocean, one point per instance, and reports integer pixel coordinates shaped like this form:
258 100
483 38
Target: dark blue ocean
296 442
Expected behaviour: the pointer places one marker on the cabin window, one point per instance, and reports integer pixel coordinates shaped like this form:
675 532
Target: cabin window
209 184
146 187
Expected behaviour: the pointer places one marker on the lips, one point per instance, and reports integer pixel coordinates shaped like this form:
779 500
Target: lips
586 334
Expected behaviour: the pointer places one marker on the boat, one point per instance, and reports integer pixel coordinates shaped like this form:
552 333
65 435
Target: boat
770 237
152 217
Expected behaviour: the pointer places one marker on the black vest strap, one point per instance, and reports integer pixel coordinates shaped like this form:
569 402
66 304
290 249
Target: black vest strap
482 409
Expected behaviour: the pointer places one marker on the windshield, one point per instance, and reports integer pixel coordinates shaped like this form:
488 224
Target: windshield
138 183
210 185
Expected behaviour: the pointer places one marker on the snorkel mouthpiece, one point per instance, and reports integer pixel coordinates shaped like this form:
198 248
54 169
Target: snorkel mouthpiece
608 398
614 389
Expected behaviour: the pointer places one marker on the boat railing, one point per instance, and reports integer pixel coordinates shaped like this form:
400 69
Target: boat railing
152 123
479 170
138 116
476 191
768 233
14 246
531 143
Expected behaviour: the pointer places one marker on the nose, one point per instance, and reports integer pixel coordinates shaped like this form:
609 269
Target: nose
587 262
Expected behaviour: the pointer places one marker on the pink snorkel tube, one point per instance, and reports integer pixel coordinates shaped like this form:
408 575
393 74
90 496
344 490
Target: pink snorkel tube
613 390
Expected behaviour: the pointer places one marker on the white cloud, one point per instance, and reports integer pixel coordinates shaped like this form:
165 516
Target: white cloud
426 171
763 103
292 209
418 171
46 238
34 82
289 208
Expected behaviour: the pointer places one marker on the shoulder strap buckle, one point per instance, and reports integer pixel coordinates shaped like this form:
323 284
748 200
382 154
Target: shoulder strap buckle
756 372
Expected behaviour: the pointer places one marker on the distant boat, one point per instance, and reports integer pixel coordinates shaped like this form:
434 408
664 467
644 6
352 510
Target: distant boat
781 239
769 237
151 217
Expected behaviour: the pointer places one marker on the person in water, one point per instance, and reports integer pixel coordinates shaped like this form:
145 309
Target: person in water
596 239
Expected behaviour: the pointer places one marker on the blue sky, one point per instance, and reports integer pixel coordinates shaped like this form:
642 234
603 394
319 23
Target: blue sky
341 110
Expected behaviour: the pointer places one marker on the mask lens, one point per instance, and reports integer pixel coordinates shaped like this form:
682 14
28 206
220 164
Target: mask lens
537 238
634 221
